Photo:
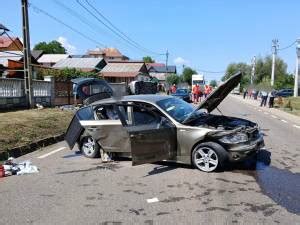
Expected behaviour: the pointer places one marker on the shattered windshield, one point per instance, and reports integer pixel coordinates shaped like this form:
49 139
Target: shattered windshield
176 108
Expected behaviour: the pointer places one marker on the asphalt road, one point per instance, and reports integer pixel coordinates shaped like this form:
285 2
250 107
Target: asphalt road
71 189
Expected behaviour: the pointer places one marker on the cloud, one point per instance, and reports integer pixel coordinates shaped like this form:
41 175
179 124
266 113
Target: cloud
180 61
71 49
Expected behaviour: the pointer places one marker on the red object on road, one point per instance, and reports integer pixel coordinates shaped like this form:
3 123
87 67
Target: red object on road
2 171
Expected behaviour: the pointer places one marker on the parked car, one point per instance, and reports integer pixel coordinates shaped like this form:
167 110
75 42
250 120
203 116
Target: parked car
182 93
285 92
91 89
151 128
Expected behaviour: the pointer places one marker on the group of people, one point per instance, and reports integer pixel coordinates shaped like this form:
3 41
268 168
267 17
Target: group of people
197 92
264 95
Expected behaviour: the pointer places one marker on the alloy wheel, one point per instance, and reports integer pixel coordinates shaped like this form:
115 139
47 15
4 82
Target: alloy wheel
206 159
88 146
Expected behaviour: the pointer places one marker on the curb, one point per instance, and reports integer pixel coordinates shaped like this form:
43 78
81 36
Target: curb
25 149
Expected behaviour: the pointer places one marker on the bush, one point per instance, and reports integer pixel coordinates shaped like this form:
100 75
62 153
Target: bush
64 74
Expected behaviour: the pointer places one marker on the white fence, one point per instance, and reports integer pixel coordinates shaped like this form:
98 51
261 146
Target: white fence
15 88
41 88
11 87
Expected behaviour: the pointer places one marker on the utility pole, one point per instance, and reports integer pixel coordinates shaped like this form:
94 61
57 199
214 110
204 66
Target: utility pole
167 58
27 55
253 69
274 53
296 86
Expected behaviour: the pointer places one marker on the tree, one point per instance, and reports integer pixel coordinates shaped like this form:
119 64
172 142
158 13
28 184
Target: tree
262 75
187 75
52 47
173 79
264 69
233 68
148 59
213 83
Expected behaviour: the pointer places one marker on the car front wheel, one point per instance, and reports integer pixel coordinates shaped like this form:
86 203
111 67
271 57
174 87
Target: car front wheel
90 148
208 156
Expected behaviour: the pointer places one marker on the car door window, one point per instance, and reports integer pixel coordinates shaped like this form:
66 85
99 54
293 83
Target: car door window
85 113
106 112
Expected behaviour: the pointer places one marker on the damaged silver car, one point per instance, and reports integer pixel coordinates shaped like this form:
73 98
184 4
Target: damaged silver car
151 128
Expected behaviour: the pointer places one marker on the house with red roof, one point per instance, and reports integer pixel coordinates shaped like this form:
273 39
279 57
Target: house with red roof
10 44
124 71
108 54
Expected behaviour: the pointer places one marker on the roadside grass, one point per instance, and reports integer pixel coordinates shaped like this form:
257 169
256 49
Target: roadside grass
26 126
290 105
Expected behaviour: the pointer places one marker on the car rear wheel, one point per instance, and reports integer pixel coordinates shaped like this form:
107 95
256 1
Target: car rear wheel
89 147
208 156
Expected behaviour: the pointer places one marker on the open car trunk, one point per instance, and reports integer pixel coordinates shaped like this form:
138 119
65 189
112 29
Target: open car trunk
91 89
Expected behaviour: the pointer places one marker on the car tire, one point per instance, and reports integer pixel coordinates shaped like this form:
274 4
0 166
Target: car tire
89 147
209 156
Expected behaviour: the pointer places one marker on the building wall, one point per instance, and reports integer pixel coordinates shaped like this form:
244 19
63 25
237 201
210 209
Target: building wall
126 80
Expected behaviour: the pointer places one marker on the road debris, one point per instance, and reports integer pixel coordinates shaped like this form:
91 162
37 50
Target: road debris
152 200
2 171
11 167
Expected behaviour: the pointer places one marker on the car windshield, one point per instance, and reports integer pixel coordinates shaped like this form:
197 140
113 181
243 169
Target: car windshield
176 108
181 91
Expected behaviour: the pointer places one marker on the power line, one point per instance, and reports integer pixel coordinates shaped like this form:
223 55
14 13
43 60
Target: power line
208 71
111 29
79 17
290 45
85 21
39 10
121 32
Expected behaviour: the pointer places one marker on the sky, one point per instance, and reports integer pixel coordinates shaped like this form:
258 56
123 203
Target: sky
203 34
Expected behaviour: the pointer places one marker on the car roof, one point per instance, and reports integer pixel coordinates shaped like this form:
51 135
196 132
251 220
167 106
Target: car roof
139 98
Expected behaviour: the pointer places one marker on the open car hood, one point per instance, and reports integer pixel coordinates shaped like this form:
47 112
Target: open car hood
217 96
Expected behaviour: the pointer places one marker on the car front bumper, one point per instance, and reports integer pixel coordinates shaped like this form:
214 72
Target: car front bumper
243 151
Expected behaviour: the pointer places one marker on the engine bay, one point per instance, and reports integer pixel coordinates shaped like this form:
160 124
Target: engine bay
221 122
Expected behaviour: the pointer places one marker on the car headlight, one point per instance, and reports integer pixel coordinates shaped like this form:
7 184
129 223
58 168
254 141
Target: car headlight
234 138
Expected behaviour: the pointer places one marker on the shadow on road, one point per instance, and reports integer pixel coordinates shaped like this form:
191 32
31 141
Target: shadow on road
262 159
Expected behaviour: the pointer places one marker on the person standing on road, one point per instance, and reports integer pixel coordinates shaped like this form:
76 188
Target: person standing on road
245 93
264 98
255 94
173 89
271 99
206 90
196 90
250 93
200 93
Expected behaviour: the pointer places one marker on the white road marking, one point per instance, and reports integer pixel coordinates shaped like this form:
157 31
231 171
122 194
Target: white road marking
51 153
284 121
152 200
274 116
296 126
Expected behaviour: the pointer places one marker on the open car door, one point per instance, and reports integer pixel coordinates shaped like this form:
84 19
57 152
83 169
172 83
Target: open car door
152 137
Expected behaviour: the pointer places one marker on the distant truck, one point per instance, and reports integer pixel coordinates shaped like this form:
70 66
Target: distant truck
198 79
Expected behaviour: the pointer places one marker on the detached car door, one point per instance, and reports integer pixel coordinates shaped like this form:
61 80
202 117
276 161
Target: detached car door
152 136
